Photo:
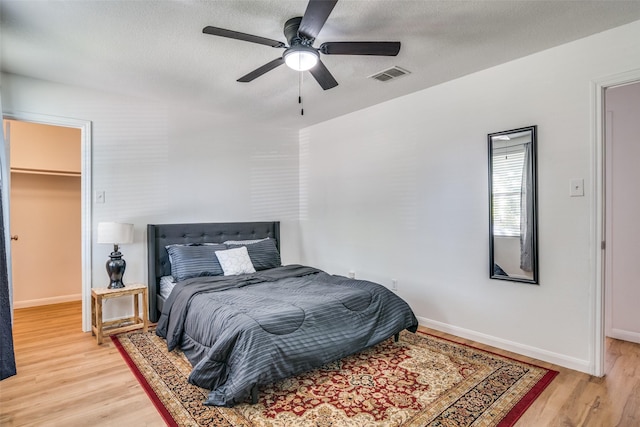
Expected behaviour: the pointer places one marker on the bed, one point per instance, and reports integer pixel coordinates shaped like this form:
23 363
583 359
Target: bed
264 321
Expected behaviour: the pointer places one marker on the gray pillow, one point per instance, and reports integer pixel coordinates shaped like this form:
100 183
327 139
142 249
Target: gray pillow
263 254
189 261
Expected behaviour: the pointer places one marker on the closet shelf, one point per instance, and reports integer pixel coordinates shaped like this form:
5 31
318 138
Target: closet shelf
44 172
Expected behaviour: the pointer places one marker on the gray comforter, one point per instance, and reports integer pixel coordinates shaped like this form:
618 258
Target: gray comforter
254 329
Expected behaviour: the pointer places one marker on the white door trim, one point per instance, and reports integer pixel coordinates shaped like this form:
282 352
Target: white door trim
598 87
85 189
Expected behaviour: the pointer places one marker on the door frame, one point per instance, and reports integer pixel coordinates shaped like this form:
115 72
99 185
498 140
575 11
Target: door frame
85 190
598 218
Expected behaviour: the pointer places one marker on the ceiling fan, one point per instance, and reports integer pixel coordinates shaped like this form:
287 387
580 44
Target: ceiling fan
300 55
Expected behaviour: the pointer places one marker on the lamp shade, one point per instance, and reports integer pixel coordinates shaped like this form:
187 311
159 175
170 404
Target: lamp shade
115 233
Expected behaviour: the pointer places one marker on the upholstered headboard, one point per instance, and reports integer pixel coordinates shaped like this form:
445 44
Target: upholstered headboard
161 235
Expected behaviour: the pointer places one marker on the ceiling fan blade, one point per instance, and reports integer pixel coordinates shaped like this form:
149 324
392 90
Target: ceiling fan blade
261 70
315 16
360 48
323 76
215 31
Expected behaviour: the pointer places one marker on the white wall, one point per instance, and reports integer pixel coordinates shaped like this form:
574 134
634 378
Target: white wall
623 209
399 191
159 164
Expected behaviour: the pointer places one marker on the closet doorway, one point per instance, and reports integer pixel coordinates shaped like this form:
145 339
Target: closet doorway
62 219
622 209
45 212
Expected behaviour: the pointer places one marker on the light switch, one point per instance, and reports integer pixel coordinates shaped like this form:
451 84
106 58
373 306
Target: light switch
577 188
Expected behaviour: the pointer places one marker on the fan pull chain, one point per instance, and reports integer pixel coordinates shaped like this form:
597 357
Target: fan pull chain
300 95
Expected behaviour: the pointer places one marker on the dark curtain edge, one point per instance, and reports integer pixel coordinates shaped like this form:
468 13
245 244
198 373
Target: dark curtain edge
7 354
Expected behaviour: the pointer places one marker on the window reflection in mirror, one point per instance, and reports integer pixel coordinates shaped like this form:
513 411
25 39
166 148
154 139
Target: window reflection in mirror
512 198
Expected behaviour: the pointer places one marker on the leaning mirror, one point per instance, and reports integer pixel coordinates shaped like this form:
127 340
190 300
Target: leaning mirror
513 249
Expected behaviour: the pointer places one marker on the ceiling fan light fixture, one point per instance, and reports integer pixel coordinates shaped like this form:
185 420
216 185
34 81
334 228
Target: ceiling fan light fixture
301 58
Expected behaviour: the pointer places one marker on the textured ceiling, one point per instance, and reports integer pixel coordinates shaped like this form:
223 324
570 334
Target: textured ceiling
156 49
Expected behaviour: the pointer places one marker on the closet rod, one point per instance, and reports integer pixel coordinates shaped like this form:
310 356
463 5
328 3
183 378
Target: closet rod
44 172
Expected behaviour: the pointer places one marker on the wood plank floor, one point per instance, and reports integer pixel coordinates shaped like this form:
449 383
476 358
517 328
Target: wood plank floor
66 379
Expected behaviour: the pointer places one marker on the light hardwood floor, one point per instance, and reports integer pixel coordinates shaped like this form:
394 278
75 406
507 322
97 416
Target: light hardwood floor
66 379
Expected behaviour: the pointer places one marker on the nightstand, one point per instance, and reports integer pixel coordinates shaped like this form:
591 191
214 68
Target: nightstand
125 324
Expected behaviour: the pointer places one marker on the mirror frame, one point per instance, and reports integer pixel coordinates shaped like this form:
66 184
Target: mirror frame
533 211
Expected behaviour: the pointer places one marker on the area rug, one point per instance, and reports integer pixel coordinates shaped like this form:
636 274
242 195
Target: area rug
421 380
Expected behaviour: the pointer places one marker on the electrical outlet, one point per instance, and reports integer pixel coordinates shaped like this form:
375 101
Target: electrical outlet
352 275
394 284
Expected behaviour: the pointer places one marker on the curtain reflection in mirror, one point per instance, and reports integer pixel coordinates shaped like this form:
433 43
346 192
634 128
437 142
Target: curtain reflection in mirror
526 220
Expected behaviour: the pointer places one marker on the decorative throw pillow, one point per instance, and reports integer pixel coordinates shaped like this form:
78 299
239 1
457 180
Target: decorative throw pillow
189 261
235 261
263 254
191 244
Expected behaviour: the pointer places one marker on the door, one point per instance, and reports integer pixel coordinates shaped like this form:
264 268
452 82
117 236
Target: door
622 205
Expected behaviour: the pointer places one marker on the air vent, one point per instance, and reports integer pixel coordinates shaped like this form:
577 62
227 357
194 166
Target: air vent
390 74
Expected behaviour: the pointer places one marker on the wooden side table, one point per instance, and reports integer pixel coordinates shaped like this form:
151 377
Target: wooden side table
99 328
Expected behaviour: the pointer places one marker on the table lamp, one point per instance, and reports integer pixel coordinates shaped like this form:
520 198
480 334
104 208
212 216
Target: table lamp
115 233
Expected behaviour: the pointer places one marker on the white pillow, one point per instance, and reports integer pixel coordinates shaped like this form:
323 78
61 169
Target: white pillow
235 261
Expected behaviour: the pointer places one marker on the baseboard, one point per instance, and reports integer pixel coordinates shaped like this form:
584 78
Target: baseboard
47 301
515 347
621 334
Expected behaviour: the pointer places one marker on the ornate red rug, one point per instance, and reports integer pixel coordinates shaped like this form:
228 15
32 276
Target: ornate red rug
422 380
